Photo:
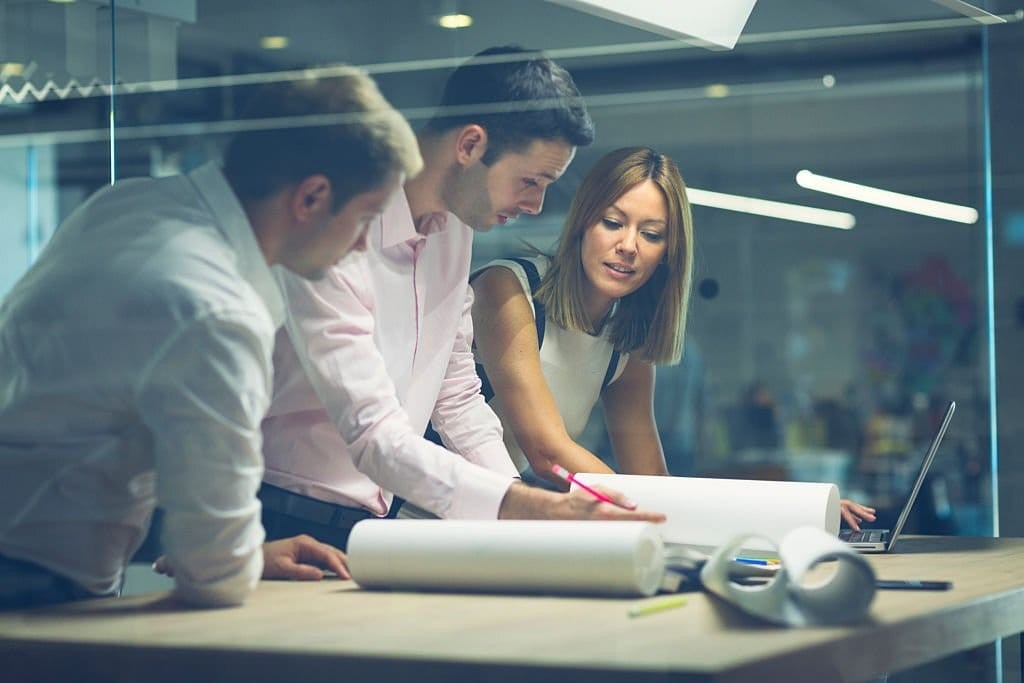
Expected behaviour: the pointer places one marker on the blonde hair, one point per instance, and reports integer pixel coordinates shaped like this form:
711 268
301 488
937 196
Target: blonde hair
652 320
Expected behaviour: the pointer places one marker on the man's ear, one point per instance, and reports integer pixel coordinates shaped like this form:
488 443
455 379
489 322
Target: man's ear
470 144
310 197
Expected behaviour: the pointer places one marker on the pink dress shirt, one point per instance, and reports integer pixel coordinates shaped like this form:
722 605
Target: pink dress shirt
367 357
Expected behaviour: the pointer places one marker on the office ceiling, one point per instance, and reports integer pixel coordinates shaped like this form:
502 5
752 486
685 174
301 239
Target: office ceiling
885 92
877 51
903 71
373 31
873 90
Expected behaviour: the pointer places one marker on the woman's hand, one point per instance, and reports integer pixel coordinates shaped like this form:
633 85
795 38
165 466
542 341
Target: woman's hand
855 513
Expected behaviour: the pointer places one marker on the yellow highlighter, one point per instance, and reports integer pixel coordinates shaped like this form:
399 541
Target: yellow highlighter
655 607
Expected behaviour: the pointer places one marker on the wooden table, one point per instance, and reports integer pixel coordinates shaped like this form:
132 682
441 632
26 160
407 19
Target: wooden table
332 631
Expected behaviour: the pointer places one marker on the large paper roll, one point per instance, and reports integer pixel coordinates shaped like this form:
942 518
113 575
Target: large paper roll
595 558
709 512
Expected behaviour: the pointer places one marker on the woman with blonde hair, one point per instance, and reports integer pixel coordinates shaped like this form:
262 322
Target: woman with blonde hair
556 334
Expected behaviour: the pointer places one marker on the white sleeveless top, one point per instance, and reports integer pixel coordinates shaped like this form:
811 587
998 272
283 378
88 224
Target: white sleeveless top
574 365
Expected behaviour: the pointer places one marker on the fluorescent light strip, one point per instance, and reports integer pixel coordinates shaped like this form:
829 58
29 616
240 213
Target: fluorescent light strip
892 200
765 207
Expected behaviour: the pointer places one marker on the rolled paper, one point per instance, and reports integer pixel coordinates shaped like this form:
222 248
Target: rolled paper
840 594
709 512
563 557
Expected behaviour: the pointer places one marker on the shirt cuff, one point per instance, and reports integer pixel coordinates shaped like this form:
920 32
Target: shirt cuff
230 591
479 493
494 456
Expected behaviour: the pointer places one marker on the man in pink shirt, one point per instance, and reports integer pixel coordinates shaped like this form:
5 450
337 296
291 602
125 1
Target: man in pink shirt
382 345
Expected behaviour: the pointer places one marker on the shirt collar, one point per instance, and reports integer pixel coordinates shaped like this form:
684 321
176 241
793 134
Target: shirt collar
234 225
398 224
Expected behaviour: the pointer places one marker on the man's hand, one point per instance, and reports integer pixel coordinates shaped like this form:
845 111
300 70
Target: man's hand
855 513
301 558
526 502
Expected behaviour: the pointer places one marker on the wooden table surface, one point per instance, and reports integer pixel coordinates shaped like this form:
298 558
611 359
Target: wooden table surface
332 631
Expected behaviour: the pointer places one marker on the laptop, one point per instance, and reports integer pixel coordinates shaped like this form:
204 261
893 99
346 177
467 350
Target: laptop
884 540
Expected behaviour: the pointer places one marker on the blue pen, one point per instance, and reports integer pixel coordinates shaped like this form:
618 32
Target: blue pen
758 561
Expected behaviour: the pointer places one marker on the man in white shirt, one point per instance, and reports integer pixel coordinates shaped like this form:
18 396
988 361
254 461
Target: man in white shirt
382 345
135 355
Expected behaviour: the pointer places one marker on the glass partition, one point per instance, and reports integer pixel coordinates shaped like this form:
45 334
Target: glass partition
814 352
55 139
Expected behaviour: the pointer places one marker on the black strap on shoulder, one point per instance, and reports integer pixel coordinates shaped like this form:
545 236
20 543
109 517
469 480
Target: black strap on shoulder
609 375
533 280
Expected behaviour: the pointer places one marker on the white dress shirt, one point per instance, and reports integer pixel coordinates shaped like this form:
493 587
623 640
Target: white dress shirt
373 352
135 367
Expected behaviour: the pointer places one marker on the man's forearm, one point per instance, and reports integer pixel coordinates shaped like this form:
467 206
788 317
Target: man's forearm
528 502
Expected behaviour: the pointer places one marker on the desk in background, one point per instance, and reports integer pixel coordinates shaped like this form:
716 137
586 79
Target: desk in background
331 631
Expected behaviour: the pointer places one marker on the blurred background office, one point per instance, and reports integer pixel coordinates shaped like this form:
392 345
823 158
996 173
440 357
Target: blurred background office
827 333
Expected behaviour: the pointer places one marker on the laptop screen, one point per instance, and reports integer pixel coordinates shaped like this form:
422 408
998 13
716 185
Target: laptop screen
925 465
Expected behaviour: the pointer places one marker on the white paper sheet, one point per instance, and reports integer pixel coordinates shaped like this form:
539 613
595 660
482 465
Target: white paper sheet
714 24
709 512
595 558
842 594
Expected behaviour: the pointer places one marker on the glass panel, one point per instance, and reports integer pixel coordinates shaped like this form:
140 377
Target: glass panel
812 353
54 120
852 341
815 353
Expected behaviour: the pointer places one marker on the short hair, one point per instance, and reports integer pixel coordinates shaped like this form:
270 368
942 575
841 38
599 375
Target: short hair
518 96
651 320
340 126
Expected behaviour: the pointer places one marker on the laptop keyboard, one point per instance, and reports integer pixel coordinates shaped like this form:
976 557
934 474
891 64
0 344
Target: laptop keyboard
864 536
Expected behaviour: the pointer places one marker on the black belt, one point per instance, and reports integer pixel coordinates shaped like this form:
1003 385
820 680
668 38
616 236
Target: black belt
27 584
310 509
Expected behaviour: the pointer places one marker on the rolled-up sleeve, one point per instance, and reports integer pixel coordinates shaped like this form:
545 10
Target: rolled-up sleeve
331 326
461 416
203 397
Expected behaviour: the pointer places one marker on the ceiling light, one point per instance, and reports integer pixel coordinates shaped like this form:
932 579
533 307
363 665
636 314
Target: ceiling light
716 90
892 200
765 207
274 42
9 69
454 21
62 2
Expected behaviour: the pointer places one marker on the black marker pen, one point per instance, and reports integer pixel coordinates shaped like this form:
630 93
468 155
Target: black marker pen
911 585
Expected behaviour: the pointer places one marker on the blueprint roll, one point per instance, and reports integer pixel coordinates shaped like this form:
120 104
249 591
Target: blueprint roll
709 512
581 558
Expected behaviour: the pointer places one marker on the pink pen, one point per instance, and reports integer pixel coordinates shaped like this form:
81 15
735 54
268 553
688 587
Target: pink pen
571 478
